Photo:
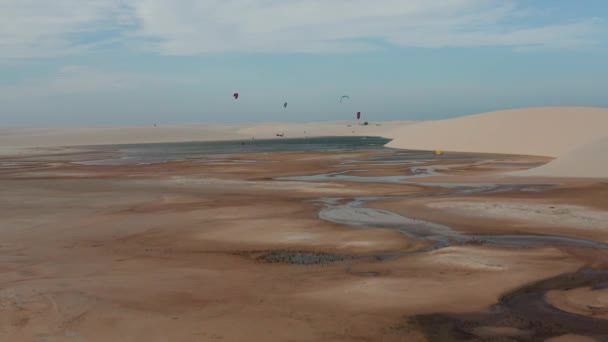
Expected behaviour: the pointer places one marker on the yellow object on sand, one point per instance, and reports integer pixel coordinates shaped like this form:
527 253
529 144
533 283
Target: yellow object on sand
438 152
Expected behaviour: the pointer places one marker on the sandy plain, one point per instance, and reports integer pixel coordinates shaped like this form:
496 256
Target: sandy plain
186 251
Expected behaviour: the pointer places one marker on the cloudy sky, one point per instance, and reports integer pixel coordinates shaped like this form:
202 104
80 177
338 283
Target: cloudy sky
134 62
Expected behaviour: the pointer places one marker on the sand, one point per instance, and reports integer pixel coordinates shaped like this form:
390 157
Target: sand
28 140
551 131
571 210
575 136
590 160
344 128
169 252
12 139
557 215
179 251
582 301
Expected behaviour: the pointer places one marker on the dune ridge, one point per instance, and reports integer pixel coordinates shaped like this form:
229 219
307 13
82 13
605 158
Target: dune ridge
587 161
546 131
576 136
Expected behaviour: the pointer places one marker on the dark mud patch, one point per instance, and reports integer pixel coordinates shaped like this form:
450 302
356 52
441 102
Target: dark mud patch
301 258
314 258
522 315
367 274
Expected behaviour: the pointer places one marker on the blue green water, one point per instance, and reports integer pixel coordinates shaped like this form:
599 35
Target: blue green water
218 150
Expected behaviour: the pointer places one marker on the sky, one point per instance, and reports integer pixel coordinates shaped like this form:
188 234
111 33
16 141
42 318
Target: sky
138 62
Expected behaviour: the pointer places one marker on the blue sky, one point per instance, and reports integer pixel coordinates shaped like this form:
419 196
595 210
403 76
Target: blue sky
135 62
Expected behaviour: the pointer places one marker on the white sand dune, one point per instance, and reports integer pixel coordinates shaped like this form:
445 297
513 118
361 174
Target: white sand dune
577 137
590 160
549 131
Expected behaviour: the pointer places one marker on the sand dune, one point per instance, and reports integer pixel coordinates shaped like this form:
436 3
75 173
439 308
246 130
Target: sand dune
551 131
576 136
590 160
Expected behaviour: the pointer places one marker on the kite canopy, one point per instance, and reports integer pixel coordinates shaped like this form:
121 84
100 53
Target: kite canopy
285 105
236 95
358 115
344 97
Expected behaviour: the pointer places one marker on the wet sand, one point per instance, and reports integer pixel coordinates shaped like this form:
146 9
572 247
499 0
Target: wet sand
236 251
523 314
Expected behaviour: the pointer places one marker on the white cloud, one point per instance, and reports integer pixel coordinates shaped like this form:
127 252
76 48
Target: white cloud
74 80
40 28
37 28
191 27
